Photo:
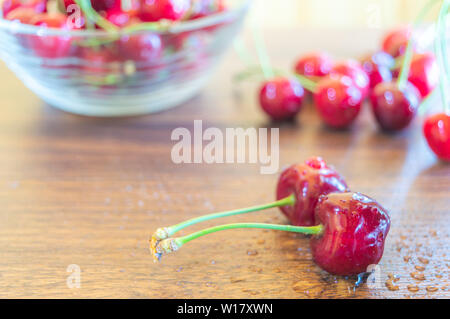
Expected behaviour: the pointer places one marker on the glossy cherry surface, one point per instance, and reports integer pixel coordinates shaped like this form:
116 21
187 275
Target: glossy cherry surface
141 47
281 98
203 8
152 10
355 230
396 41
393 107
314 65
437 133
378 67
308 182
353 70
424 73
338 101
51 46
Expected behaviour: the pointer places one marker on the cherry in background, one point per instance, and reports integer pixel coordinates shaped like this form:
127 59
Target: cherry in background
424 73
353 70
394 108
281 98
314 65
174 10
307 182
338 101
355 229
437 133
378 67
22 15
395 42
51 46
39 6
203 8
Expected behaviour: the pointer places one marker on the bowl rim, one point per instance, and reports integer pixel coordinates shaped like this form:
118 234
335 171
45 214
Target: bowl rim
178 27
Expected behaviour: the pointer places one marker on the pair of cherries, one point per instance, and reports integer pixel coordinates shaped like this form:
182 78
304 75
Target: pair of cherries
338 95
348 229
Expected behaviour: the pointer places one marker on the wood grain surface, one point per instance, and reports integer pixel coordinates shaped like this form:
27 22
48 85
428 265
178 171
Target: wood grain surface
89 192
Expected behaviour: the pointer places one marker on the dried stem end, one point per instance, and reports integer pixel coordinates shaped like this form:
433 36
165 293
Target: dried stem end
165 247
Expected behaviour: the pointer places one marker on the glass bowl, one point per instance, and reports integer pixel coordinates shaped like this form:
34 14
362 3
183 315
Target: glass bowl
96 73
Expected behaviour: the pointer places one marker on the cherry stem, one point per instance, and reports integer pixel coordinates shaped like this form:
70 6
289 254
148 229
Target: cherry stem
261 50
307 83
91 14
287 201
406 65
440 48
312 230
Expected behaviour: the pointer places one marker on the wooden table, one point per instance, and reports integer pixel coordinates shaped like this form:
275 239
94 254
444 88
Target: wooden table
89 192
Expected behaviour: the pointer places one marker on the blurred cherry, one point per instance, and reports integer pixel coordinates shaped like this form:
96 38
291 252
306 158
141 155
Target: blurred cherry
437 133
281 98
394 108
152 10
396 41
38 6
338 101
314 65
353 70
424 73
378 67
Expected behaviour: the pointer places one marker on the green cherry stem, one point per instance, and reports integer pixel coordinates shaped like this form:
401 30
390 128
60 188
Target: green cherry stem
170 231
94 16
406 65
307 83
442 54
173 244
261 50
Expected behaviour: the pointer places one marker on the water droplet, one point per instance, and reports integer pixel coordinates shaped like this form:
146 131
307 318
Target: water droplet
432 289
390 285
418 276
235 280
419 268
406 258
423 260
413 288
252 252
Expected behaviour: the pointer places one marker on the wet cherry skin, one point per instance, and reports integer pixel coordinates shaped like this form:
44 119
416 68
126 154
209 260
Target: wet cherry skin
353 70
338 101
378 67
396 41
307 182
424 73
355 230
99 5
394 108
281 98
314 65
436 130
174 10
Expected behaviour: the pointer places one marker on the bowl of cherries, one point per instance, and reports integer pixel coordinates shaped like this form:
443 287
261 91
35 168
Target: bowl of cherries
116 57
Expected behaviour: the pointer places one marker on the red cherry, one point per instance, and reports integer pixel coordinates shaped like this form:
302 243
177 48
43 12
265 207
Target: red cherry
281 98
308 182
338 101
141 47
314 65
378 67
100 61
152 10
22 15
437 132
394 108
353 70
355 229
396 41
51 46
118 17
424 73
39 6
98 5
